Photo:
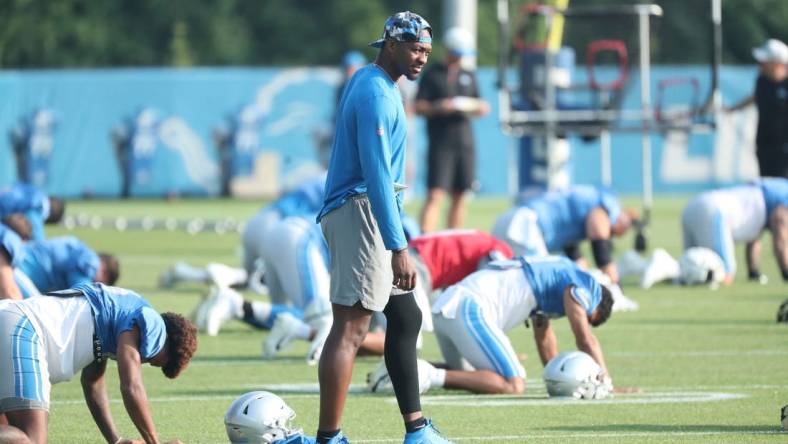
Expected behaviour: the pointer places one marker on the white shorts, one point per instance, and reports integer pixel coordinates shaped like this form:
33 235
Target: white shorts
519 228
703 225
254 236
296 261
24 374
470 342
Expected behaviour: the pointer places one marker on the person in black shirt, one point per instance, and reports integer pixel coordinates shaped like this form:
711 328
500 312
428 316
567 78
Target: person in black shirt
448 96
771 99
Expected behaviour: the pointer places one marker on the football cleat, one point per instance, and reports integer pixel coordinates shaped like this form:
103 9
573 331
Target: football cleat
283 332
167 279
782 312
322 327
660 267
379 381
224 304
426 435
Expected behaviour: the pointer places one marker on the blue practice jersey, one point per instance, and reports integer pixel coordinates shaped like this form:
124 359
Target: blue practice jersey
368 154
775 193
306 199
550 276
562 214
58 263
28 200
12 244
116 310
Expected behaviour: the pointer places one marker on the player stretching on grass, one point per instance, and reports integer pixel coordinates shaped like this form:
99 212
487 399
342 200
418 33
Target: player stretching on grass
36 206
62 262
48 339
720 218
361 223
559 220
472 318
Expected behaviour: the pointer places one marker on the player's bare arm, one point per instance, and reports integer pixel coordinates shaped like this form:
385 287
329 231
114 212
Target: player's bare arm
8 288
599 232
95 391
546 343
584 339
778 224
135 399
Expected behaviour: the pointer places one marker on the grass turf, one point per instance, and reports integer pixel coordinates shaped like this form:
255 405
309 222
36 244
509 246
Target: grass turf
712 364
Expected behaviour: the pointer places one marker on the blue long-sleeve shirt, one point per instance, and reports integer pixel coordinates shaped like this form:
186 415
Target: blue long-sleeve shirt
368 155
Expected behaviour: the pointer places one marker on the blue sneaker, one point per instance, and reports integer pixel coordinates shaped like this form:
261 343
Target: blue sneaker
426 435
298 438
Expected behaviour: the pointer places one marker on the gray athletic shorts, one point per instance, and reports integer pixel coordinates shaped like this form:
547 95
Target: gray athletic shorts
360 265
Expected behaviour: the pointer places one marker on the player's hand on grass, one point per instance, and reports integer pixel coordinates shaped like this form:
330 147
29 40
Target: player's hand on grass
403 269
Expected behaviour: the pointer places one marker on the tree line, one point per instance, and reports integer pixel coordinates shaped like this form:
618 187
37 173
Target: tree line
121 33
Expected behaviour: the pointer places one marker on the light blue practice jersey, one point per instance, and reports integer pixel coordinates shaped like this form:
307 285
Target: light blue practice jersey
562 214
368 154
12 244
116 310
306 199
775 193
28 200
550 276
58 263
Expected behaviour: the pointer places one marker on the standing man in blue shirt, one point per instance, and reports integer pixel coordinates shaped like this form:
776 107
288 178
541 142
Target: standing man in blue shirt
370 268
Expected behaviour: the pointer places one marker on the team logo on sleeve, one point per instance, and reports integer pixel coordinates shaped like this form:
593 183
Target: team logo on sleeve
380 131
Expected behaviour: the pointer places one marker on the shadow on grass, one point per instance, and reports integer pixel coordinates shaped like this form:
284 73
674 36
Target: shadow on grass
664 428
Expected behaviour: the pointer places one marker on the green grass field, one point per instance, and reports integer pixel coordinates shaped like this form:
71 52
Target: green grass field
712 365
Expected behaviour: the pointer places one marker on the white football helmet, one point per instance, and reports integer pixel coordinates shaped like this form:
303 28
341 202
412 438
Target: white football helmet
575 374
701 265
259 418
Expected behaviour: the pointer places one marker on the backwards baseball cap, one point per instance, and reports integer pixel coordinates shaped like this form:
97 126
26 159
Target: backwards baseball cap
404 27
771 51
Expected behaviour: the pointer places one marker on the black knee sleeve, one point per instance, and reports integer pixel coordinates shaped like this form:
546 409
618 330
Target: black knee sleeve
403 318
572 251
603 250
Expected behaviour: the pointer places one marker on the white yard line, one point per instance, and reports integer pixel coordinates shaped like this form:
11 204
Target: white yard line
590 435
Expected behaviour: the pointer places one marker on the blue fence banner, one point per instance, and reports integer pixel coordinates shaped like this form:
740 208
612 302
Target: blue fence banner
253 130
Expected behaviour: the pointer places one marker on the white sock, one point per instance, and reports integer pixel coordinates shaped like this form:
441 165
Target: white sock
304 331
225 275
188 273
437 377
237 302
261 311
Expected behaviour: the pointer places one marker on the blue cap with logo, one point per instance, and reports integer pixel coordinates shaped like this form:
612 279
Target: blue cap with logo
404 27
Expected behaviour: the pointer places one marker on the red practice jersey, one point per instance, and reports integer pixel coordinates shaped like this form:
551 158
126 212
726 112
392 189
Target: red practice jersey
451 255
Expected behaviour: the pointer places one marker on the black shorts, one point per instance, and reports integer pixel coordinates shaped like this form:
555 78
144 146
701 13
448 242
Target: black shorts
772 162
451 169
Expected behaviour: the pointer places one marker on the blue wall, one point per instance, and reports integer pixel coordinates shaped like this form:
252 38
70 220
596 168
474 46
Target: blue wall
88 104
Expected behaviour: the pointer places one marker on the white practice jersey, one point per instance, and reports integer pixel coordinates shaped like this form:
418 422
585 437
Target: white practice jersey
505 296
66 327
742 207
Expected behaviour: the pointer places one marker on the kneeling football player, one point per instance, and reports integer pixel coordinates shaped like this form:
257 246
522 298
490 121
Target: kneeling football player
471 320
47 339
